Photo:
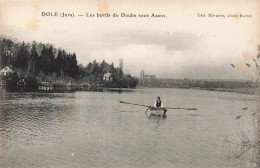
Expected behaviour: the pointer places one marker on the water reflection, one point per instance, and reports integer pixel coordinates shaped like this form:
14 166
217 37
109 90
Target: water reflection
156 119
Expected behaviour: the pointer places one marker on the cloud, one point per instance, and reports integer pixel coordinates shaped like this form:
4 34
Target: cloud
172 40
159 60
179 45
154 59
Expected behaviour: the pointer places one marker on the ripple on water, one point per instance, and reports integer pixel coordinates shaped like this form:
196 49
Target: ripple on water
92 129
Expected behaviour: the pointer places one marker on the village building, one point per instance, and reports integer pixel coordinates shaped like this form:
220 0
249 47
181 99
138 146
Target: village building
143 76
7 70
108 77
149 76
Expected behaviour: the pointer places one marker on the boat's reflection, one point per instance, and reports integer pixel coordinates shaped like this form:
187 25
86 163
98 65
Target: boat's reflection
156 119
150 116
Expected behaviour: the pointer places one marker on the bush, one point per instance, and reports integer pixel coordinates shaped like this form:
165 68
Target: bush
11 81
31 84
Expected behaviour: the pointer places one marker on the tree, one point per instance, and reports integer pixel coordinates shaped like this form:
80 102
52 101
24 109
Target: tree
50 60
43 60
33 66
95 70
22 57
73 65
6 51
81 71
58 63
11 81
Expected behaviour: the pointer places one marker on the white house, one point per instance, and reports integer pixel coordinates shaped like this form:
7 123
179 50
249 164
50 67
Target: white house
6 71
107 77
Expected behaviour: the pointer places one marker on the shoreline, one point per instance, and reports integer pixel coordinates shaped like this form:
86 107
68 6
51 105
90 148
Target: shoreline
249 91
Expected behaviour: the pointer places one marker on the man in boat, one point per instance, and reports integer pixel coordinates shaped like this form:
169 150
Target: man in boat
158 104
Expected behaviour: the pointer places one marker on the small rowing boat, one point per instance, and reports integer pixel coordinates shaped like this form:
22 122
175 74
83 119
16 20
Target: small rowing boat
157 111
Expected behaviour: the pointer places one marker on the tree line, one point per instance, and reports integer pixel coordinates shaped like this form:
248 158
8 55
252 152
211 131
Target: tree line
36 62
95 71
37 57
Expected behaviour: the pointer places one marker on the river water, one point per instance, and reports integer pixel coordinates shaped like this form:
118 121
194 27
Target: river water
93 129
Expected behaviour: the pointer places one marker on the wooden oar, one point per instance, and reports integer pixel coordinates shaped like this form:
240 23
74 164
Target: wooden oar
165 107
148 109
181 108
134 104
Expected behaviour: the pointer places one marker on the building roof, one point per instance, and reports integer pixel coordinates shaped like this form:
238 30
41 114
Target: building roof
6 70
108 74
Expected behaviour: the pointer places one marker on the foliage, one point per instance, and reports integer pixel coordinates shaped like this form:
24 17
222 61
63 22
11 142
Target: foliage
34 57
31 84
247 150
21 60
38 62
11 81
95 71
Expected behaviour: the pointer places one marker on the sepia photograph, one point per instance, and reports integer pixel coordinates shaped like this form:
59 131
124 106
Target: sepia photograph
129 84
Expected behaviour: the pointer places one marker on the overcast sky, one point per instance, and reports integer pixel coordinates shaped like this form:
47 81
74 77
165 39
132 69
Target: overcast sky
182 45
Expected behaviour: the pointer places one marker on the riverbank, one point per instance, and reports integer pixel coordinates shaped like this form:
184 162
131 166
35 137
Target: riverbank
237 86
49 87
249 91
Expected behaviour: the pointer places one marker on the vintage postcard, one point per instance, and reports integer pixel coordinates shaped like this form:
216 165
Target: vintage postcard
140 83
